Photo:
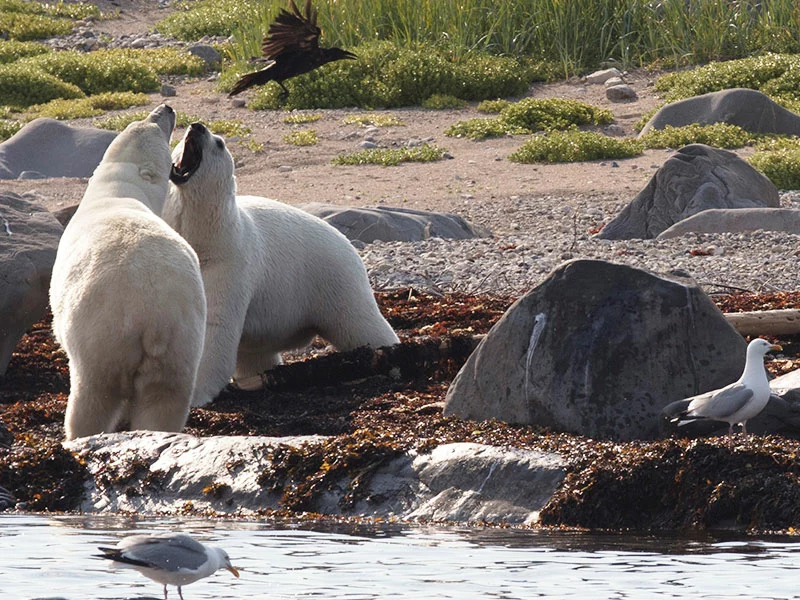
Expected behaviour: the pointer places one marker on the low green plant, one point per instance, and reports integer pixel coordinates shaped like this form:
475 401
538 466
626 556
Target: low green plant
227 128
444 101
120 122
718 135
194 20
493 106
165 61
22 86
13 50
781 166
481 128
389 157
8 128
26 27
307 137
300 118
373 120
92 106
574 146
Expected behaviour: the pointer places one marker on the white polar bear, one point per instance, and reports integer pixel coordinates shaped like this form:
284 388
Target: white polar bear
274 275
127 294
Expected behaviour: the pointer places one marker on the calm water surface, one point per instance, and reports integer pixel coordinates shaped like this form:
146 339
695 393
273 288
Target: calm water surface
43 557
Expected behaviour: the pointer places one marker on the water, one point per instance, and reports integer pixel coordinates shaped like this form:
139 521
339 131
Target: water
43 557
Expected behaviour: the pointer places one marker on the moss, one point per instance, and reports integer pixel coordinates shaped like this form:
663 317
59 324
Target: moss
573 146
389 157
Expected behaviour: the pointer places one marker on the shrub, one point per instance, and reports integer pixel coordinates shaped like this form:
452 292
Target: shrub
389 157
26 27
374 120
493 106
719 135
120 122
8 128
21 86
478 129
62 109
782 167
225 127
301 138
444 101
164 61
12 50
574 146
300 118
195 20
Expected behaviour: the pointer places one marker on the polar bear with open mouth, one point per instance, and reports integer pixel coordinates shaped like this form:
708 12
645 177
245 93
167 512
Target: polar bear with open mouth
127 294
274 275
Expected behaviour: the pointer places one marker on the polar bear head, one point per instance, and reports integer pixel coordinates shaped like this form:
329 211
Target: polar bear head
202 165
140 156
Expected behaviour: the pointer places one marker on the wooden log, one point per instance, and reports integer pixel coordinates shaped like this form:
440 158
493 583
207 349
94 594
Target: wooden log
784 321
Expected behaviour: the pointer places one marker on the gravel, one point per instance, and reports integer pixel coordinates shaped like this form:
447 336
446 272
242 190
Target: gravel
533 236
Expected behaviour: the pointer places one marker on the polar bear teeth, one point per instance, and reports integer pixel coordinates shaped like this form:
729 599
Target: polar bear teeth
183 169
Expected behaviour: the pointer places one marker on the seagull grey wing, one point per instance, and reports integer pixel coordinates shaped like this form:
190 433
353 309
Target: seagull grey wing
169 553
722 403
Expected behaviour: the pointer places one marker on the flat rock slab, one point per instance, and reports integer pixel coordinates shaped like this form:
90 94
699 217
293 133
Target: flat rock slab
696 178
736 220
389 224
598 349
164 473
749 109
50 148
29 236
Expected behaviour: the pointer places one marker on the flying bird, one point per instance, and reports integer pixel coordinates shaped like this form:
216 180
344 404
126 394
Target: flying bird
741 400
169 558
292 46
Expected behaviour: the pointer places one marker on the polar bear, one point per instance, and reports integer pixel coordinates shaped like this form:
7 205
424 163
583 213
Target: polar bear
127 293
274 275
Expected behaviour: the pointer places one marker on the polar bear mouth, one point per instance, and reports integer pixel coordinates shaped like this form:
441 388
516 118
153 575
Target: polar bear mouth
187 165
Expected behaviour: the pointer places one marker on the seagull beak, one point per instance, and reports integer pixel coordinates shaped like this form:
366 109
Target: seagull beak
233 570
776 348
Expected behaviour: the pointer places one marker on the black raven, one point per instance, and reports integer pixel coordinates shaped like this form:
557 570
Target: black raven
292 46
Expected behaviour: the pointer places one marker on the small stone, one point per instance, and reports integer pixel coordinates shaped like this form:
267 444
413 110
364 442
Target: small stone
167 91
603 76
614 81
139 43
619 93
207 53
238 103
367 144
31 175
285 169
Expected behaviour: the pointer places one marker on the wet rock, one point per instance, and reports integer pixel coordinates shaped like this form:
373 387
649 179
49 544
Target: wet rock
696 178
598 349
29 236
736 220
749 109
394 224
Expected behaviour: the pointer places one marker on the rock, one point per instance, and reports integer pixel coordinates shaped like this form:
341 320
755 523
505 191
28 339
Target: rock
7 499
29 236
238 102
697 177
53 149
225 474
621 93
614 81
367 144
749 109
285 169
168 91
736 220
394 224
603 76
787 386
211 57
598 349
31 175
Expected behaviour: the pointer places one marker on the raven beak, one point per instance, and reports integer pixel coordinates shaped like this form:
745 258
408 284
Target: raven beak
350 56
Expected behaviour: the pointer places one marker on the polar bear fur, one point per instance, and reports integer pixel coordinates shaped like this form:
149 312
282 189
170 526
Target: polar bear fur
127 294
274 275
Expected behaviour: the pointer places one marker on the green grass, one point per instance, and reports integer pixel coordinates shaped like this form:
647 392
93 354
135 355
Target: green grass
389 157
302 138
530 115
195 20
574 146
718 135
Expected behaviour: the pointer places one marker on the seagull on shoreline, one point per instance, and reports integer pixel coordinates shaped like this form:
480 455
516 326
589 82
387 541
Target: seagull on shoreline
741 400
169 558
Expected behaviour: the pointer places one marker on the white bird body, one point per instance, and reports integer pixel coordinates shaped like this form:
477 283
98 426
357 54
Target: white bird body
744 398
169 558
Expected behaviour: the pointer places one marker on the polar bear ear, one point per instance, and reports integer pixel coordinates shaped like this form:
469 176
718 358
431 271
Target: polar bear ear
147 174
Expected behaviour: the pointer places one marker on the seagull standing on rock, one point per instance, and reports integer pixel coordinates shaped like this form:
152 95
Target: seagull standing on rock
169 558
741 400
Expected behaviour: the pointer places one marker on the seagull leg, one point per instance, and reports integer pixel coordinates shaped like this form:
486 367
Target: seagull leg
180 594
165 591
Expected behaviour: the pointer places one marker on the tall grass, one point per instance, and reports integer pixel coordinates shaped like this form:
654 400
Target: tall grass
577 34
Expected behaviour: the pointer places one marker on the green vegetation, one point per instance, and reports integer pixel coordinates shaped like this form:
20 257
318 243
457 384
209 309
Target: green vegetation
779 159
374 120
87 107
24 21
389 157
8 128
22 86
529 115
719 135
12 50
388 76
197 19
300 118
444 101
120 122
574 146
301 138
493 106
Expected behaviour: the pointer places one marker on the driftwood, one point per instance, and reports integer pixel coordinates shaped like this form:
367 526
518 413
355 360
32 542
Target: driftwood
784 321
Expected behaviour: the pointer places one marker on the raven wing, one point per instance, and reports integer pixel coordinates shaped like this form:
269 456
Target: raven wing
292 32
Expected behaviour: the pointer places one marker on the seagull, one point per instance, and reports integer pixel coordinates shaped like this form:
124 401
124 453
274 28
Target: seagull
741 400
291 48
169 558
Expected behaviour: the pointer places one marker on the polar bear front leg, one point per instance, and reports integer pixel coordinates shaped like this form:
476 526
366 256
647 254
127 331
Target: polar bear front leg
250 364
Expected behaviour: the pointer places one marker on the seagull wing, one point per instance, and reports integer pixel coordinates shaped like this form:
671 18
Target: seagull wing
720 404
292 32
170 552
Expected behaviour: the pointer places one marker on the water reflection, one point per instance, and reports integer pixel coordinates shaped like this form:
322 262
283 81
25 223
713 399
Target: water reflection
52 557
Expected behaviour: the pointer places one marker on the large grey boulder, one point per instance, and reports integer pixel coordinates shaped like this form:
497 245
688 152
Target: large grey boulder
390 224
29 236
51 148
736 220
225 475
598 349
749 109
696 178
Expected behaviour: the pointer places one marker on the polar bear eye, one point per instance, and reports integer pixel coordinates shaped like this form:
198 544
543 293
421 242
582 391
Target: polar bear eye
220 144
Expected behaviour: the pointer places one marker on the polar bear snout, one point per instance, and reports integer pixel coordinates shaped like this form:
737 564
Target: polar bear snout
164 116
189 154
